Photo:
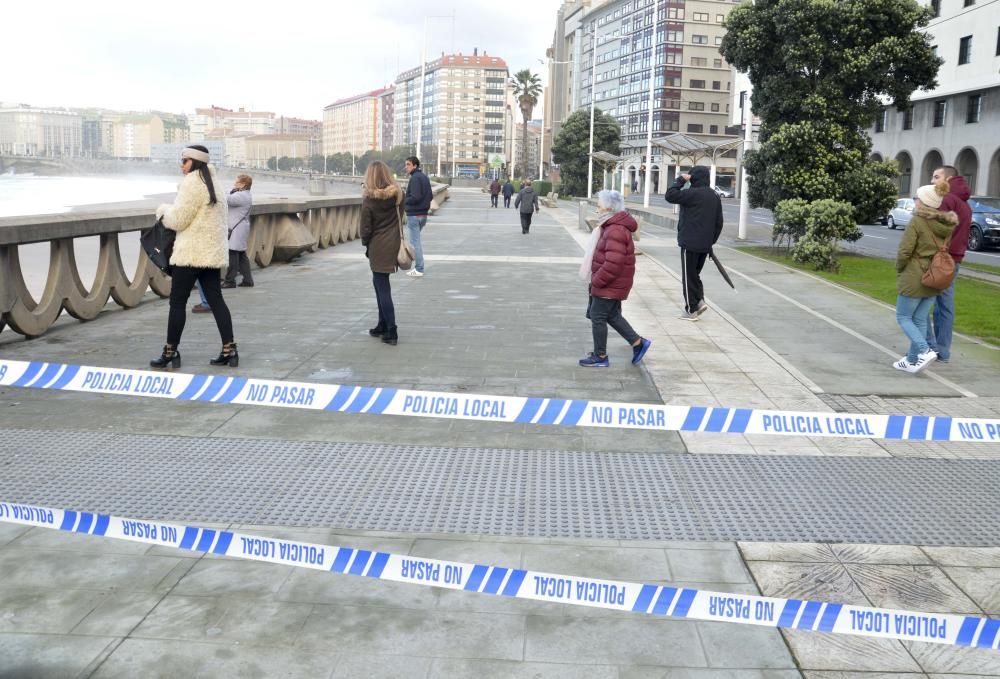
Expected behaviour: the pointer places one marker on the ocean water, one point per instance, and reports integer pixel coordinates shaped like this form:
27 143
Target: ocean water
39 195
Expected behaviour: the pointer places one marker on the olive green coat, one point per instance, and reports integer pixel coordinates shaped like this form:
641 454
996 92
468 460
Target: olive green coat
381 212
918 248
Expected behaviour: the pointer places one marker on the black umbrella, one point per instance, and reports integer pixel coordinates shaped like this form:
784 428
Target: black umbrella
722 269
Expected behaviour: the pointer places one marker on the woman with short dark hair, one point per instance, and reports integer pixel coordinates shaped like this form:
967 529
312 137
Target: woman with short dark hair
200 252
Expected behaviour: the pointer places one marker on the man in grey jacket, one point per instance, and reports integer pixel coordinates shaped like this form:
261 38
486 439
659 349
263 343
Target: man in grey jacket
527 202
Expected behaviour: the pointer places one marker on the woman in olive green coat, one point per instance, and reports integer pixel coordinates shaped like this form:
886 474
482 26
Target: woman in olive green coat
927 231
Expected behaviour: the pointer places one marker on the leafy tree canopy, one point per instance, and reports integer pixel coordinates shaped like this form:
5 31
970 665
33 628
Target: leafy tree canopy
572 144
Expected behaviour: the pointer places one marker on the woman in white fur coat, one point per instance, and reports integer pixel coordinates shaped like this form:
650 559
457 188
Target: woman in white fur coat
199 254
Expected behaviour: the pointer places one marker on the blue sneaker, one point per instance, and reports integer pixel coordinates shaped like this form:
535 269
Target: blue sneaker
592 360
640 350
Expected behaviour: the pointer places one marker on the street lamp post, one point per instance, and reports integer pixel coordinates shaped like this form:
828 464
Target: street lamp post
593 97
647 180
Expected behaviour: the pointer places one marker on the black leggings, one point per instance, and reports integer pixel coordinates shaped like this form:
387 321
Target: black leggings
184 278
238 260
383 297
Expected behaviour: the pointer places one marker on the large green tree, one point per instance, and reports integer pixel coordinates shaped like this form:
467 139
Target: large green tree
821 71
527 87
572 144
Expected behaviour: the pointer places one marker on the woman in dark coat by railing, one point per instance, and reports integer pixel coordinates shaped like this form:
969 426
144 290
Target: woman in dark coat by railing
381 215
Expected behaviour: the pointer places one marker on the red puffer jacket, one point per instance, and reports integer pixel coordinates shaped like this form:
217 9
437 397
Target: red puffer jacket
613 266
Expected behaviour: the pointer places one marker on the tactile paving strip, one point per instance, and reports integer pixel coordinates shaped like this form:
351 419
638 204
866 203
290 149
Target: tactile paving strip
551 494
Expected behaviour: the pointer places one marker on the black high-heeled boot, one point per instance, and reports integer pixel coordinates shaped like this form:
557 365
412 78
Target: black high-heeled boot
390 336
229 356
170 359
378 330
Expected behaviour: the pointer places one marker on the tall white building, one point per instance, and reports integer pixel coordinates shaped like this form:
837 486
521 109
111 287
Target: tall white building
957 123
355 124
27 131
464 107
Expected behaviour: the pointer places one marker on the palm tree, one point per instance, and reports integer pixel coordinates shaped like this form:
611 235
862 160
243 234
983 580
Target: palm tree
527 87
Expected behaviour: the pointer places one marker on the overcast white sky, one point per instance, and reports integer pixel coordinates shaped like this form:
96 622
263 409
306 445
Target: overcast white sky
288 57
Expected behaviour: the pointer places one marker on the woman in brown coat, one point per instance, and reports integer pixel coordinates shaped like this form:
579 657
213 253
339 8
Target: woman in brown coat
381 212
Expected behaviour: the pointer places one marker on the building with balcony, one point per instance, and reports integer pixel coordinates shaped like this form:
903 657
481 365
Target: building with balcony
958 122
464 108
610 48
357 124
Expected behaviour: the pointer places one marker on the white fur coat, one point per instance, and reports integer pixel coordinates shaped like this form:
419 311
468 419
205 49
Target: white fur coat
201 228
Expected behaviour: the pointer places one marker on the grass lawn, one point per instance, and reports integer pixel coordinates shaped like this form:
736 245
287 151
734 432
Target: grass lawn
977 303
976 266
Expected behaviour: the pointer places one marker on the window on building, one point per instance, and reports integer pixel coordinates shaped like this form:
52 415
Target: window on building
880 120
715 108
713 129
699 61
700 16
695 127
719 18
696 106
936 7
974 107
699 39
671 125
965 50
698 84
970 3
908 119
675 12
998 42
716 84
717 63
940 110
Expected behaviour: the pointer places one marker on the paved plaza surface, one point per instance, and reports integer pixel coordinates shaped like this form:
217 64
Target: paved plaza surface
910 525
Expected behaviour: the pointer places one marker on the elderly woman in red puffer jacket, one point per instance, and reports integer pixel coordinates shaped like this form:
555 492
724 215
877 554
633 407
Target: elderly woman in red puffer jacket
612 269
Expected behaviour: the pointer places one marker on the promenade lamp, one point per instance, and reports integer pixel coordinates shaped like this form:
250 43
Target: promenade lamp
541 141
423 73
647 179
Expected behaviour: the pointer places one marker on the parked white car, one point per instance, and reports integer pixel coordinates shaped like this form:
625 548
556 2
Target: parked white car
723 193
901 214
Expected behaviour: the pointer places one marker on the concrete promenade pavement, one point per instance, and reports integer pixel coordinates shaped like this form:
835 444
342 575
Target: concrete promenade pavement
497 313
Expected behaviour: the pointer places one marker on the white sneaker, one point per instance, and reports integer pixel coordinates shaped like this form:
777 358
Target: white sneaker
414 273
904 365
688 316
702 308
925 359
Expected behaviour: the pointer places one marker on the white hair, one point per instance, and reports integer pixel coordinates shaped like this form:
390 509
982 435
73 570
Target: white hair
611 200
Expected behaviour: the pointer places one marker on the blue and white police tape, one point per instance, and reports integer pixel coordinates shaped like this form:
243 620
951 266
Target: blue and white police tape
658 600
486 408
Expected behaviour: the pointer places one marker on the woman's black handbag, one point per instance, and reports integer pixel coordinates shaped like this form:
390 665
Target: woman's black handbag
158 242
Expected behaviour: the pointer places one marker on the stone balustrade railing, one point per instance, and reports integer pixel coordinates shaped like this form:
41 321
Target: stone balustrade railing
279 231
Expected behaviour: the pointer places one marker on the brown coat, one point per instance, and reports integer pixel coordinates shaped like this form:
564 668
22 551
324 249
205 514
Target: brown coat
381 212
927 229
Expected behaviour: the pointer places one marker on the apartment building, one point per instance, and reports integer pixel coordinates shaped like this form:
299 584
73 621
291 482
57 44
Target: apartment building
534 145
27 131
609 48
958 122
464 107
356 124
132 135
213 118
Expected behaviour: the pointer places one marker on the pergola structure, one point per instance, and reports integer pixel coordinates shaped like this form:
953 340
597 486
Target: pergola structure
684 149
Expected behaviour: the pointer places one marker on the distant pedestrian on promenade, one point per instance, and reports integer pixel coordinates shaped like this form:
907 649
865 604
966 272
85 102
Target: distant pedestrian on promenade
698 229
508 191
929 229
381 220
199 219
417 205
612 269
494 192
239 202
527 202
942 322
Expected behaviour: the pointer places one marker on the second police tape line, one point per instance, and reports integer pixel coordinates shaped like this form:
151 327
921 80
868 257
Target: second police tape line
648 599
488 408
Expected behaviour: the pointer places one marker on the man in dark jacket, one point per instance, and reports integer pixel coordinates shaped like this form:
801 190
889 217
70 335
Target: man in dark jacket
508 191
417 204
494 192
527 202
955 200
698 229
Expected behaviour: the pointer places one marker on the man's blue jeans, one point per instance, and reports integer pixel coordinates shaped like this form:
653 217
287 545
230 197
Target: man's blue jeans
939 331
911 314
414 225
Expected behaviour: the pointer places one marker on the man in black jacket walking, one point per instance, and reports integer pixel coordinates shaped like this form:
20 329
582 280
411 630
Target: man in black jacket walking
698 229
417 204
